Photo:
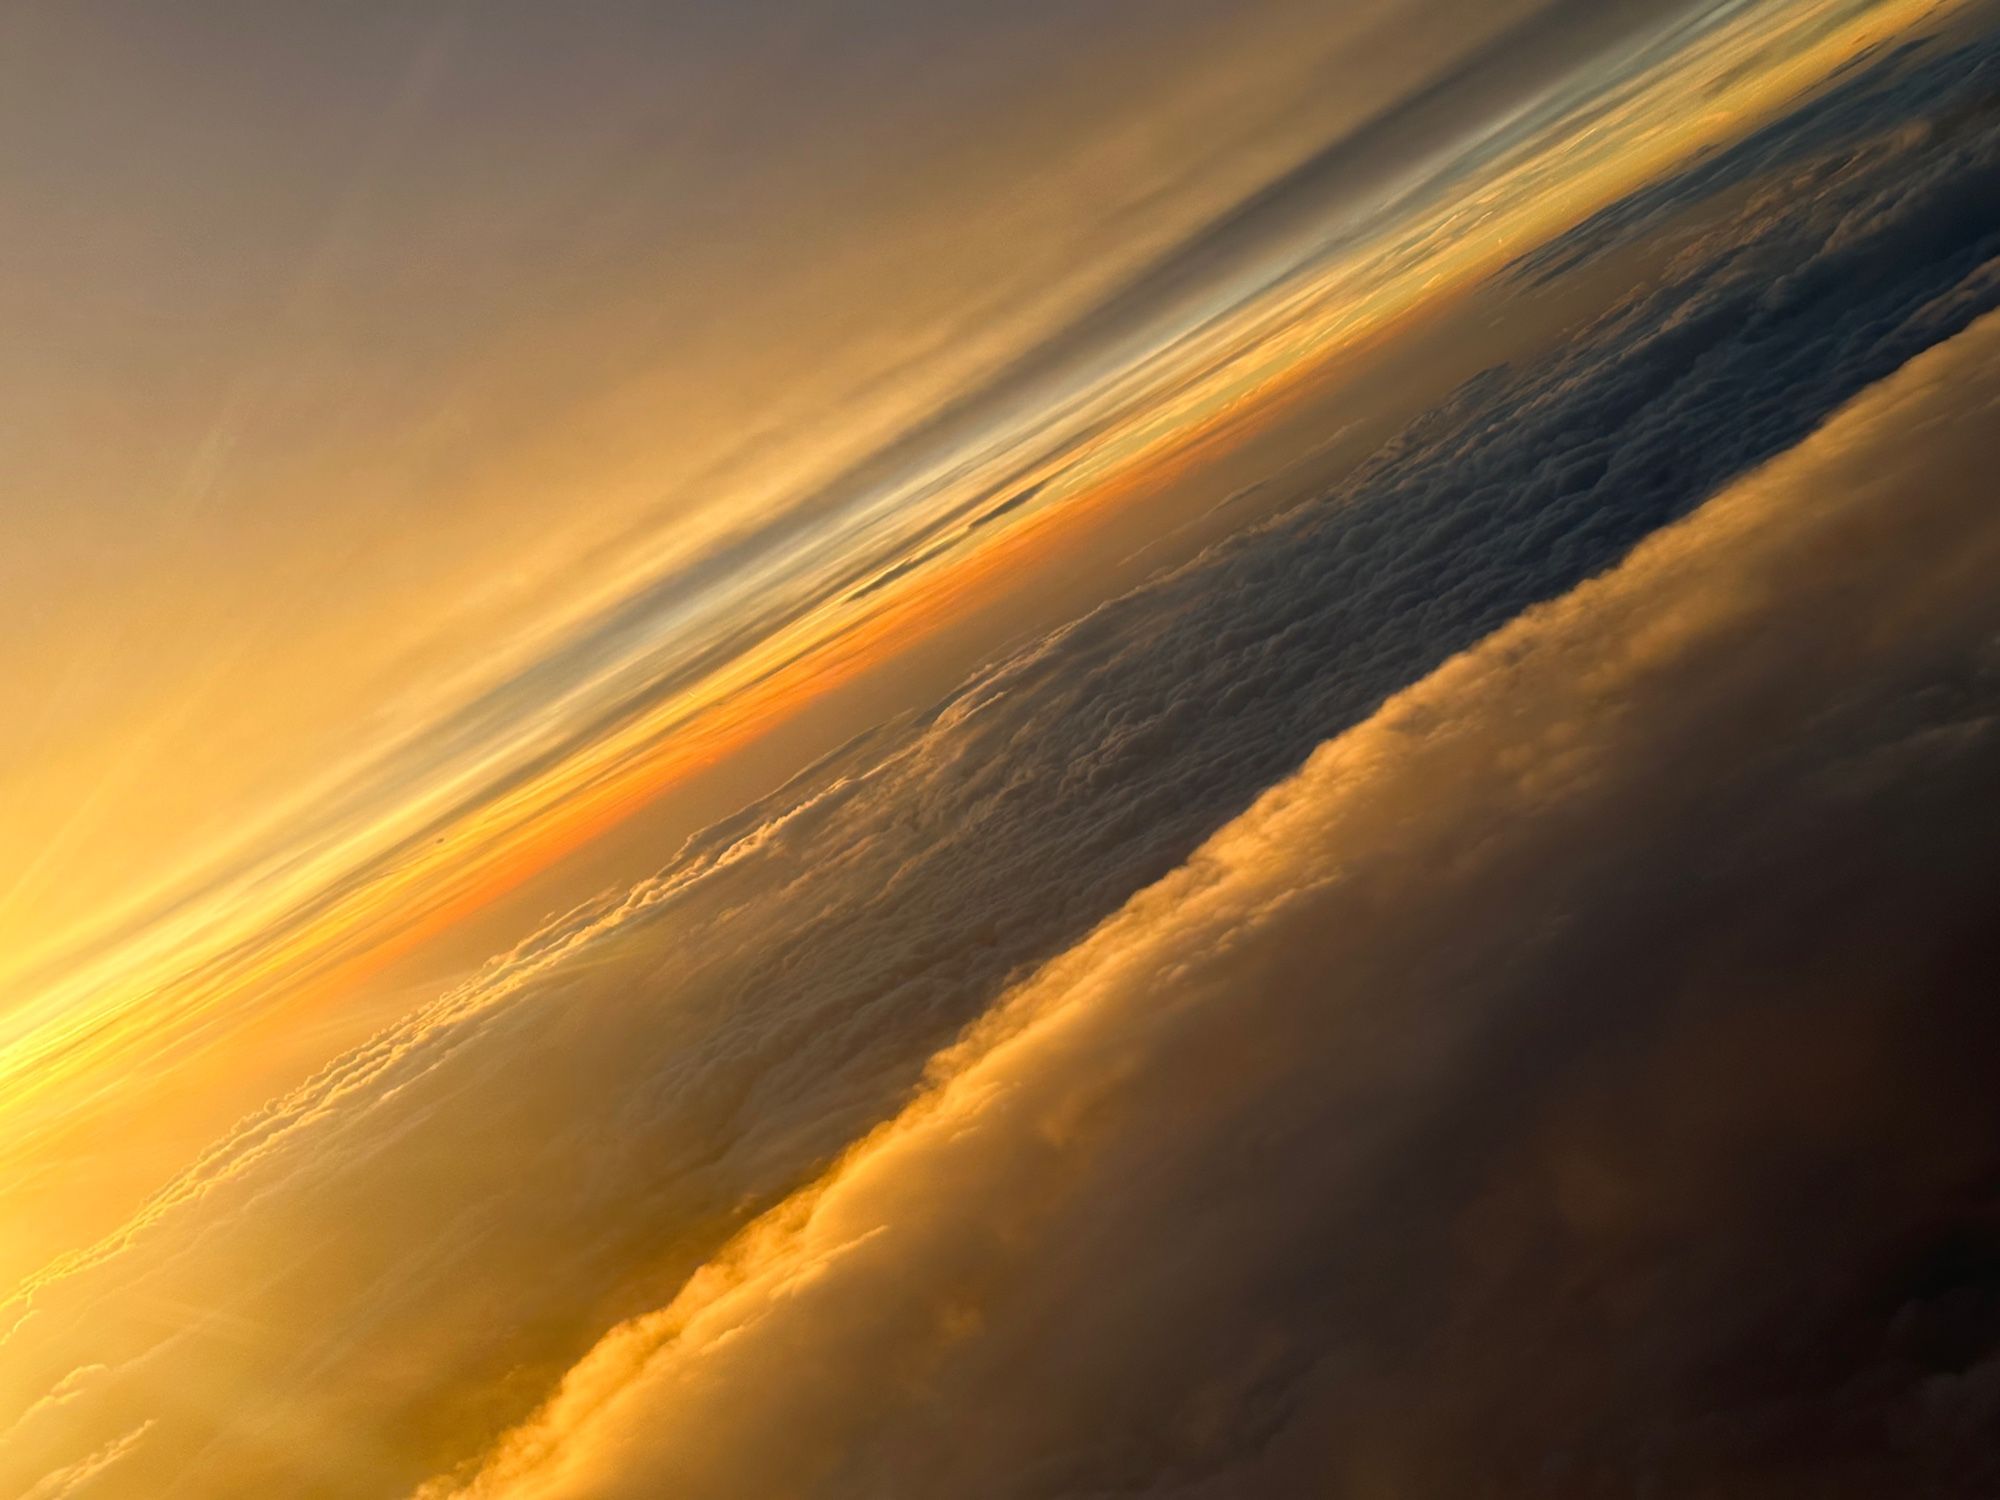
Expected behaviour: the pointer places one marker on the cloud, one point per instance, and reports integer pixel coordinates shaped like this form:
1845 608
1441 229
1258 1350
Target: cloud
363 1282
76 1479
1518 1097
1943 78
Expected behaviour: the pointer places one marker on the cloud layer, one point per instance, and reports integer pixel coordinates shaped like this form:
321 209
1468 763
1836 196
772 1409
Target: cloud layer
1574 1080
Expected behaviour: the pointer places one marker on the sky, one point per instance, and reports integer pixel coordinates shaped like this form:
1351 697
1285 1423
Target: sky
712 696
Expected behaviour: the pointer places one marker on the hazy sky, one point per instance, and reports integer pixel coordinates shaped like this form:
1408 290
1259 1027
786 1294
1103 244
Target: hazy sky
399 394
402 399
357 351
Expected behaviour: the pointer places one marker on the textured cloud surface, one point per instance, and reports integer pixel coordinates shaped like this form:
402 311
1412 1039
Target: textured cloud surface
362 1284
1576 1077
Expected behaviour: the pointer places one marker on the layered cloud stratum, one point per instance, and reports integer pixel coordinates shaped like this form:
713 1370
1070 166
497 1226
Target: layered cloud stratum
414 629
1578 1069
1291 1030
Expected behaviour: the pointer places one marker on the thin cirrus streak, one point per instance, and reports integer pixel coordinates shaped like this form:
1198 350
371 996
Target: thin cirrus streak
650 694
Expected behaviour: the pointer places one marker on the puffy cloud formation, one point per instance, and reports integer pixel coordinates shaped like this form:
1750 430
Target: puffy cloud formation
363 1283
1576 1080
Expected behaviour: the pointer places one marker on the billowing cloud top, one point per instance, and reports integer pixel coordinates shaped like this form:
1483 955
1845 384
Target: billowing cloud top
1498 1102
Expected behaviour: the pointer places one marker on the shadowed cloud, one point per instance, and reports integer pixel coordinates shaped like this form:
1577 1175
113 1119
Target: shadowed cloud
1573 1081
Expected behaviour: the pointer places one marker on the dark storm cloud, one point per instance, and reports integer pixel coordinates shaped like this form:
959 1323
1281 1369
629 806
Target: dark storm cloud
589 1119
1575 1081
